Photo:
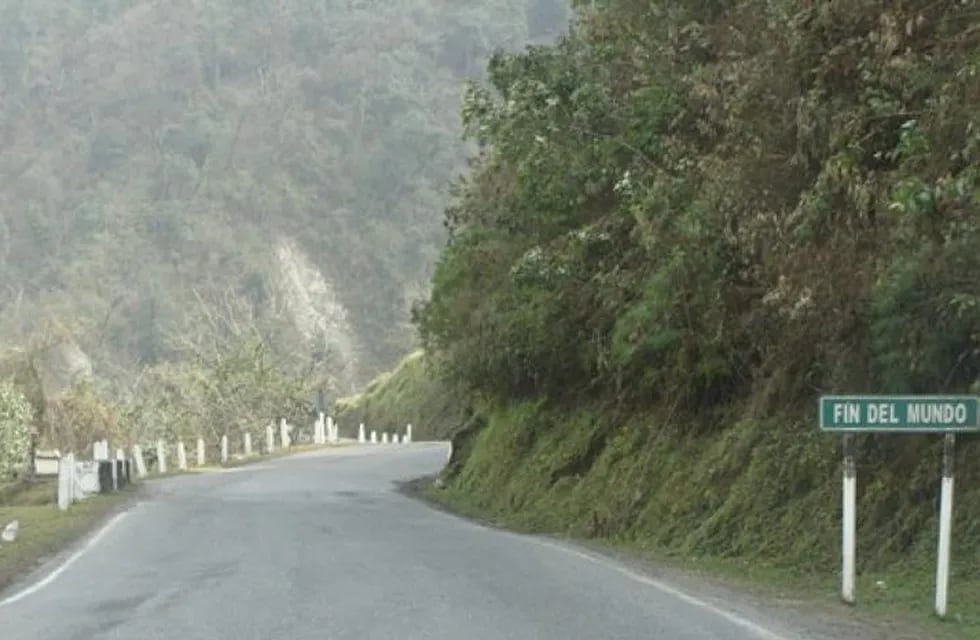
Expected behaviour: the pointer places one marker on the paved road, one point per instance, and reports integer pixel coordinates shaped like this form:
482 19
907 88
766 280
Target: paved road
321 546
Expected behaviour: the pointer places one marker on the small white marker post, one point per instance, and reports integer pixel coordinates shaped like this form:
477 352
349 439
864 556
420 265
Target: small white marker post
284 433
849 521
224 449
201 453
374 437
139 460
408 433
248 444
945 526
181 456
384 438
270 439
161 457
361 438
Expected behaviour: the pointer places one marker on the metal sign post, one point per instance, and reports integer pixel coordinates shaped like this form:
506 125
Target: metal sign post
898 414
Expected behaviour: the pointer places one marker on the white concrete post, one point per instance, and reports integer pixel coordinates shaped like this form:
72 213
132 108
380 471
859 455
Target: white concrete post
321 429
161 457
270 439
384 438
374 437
115 471
360 434
408 433
65 463
224 449
202 454
395 438
332 435
945 526
181 456
139 461
849 521
248 444
284 434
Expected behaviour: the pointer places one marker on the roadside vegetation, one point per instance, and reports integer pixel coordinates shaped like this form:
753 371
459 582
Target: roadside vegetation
687 221
412 393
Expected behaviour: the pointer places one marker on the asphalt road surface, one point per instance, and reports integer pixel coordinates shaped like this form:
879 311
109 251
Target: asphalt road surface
322 546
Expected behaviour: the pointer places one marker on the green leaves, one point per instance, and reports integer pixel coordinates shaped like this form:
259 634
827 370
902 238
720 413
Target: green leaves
16 414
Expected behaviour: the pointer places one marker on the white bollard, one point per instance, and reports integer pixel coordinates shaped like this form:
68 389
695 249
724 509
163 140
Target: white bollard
270 439
161 457
139 461
65 463
374 437
408 433
248 445
332 436
284 434
224 449
384 438
181 456
202 455
395 438
360 434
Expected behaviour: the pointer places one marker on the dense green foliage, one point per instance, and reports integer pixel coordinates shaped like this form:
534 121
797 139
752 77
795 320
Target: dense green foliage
686 221
15 441
686 202
154 156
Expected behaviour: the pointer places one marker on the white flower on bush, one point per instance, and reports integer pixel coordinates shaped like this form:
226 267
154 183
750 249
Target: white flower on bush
15 438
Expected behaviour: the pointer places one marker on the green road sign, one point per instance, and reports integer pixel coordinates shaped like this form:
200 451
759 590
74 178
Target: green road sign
907 414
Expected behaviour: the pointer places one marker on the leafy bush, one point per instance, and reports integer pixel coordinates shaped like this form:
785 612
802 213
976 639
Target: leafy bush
15 438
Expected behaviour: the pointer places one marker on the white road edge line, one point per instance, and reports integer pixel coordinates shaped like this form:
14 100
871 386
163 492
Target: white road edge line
734 618
51 577
663 587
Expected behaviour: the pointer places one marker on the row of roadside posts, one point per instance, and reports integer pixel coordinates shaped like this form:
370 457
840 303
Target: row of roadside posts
112 470
851 415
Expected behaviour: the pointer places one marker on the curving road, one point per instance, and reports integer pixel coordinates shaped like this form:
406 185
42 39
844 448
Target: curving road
322 546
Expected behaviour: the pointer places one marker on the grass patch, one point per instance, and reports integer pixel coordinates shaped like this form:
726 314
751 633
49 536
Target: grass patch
410 394
44 529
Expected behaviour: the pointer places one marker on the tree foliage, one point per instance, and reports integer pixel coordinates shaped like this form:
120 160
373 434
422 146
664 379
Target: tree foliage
689 203
152 155
15 439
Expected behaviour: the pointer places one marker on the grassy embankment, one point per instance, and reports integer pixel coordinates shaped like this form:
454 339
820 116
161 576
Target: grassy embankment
756 504
410 394
43 528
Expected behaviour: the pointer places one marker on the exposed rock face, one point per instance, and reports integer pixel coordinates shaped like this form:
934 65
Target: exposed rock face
317 312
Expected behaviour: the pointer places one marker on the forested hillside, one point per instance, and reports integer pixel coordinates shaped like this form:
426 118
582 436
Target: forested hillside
689 219
178 177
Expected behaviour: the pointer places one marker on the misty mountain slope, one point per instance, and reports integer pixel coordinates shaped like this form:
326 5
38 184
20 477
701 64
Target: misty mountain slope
154 156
